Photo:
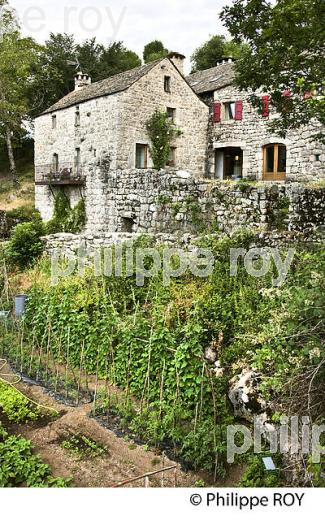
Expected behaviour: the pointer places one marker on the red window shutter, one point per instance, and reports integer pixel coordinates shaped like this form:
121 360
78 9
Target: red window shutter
217 112
266 103
239 110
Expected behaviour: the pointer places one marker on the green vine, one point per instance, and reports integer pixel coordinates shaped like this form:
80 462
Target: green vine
162 133
66 219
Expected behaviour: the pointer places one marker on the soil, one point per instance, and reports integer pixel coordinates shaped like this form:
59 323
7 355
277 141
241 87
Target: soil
122 459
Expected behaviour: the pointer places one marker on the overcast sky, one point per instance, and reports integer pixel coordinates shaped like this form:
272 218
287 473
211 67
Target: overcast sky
182 25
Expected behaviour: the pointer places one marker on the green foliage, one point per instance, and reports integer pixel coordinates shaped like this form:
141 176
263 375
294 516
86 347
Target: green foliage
279 213
162 133
25 244
216 48
153 51
15 406
19 467
83 447
317 473
23 214
66 219
284 41
150 340
60 56
255 474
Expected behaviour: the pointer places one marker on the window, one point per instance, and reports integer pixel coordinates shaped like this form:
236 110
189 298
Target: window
171 112
229 111
172 157
127 225
77 117
275 162
233 111
78 160
141 156
55 163
167 82
53 122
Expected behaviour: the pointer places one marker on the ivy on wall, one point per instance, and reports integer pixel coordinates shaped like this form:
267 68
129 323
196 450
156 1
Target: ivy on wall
162 133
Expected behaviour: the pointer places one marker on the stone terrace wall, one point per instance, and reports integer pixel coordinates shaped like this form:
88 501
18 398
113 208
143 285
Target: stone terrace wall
138 201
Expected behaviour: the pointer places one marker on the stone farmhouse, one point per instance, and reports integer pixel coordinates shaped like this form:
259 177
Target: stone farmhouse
240 144
109 118
223 136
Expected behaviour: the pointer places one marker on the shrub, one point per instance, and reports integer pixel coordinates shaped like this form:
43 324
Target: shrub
25 244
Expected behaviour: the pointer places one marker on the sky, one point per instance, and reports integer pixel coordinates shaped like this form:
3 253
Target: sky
182 25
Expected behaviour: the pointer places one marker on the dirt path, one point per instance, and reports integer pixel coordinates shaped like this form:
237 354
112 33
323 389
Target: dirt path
123 460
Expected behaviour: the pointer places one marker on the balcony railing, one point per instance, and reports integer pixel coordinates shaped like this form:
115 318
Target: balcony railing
66 173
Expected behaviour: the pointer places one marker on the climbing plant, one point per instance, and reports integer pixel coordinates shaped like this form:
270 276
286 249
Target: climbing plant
66 219
162 133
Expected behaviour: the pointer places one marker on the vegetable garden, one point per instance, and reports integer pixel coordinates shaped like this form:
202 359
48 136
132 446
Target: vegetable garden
143 349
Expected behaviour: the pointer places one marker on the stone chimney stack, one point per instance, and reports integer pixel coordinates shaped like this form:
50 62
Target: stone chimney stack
227 59
178 60
81 80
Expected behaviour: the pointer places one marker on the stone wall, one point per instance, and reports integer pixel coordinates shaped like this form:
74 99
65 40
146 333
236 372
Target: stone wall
145 96
305 156
139 201
96 133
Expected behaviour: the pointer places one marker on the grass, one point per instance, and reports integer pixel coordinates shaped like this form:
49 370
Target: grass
25 195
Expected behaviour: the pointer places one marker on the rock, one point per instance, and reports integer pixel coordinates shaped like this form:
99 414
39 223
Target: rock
210 354
244 395
183 174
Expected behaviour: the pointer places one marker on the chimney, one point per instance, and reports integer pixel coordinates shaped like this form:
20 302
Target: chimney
178 60
81 80
227 59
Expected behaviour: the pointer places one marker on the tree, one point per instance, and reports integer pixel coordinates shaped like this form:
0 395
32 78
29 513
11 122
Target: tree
17 56
115 59
284 56
153 51
89 55
61 57
214 50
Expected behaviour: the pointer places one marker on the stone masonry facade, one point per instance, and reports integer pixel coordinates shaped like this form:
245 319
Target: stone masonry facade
95 131
112 125
305 155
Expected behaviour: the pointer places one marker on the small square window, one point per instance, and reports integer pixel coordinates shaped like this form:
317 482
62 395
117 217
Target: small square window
229 111
167 84
54 120
172 157
317 157
141 156
171 112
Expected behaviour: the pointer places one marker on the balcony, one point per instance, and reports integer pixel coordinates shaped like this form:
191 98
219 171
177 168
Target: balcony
61 175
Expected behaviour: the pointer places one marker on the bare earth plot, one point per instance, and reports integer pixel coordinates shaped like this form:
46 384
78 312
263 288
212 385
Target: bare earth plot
121 460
